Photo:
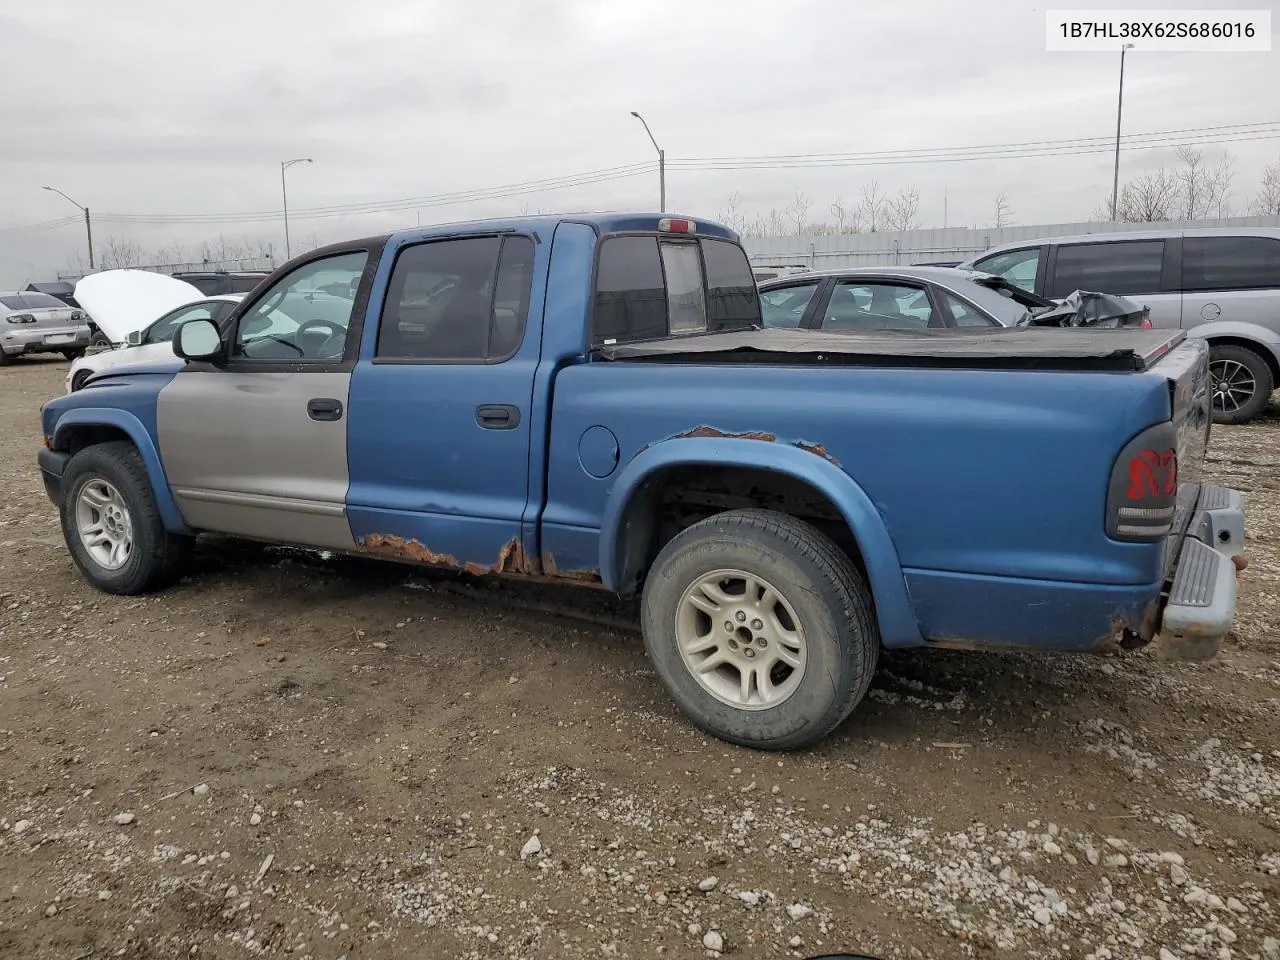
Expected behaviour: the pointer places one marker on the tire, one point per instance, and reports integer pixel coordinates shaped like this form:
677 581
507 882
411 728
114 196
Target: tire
5 359
99 339
78 380
838 640
156 558
1246 368
75 354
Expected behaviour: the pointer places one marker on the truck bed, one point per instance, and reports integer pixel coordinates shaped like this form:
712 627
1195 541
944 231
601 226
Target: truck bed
1044 348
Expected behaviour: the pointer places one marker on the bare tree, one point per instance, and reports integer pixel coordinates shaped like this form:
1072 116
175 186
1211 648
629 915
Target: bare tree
1222 178
1003 210
871 207
1150 198
731 216
1202 191
798 212
902 211
1267 202
118 253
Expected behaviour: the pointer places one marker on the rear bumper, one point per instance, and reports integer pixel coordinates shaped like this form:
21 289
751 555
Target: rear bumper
17 342
1201 605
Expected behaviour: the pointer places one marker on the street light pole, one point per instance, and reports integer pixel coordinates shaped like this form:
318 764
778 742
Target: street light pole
88 227
284 196
1115 180
662 165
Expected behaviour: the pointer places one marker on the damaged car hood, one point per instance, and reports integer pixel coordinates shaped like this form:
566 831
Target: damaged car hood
1084 308
122 301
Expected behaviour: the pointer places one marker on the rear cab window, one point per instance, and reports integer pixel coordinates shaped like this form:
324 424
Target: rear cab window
649 287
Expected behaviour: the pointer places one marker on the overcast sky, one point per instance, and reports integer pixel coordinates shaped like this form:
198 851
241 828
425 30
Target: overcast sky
134 109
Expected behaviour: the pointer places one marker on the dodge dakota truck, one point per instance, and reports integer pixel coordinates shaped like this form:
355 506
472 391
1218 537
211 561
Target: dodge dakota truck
593 399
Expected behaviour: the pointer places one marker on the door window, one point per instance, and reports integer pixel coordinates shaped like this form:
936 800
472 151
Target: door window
459 300
1123 268
1230 263
163 330
963 314
305 317
877 306
785 307
1019 267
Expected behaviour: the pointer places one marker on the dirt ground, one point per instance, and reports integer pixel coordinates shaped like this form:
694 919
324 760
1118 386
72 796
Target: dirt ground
288 756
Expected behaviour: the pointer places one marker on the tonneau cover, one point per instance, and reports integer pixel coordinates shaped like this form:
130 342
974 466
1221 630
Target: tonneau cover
996 347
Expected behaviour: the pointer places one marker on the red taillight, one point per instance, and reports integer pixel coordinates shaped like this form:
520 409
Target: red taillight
676 225
1146 324
1142 495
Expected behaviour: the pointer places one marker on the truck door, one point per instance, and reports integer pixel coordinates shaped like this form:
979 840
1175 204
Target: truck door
440 411
257 447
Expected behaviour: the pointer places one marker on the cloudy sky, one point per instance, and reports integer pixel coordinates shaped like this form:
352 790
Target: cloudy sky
172 128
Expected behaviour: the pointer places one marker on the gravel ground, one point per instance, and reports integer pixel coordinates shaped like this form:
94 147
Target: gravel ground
288 756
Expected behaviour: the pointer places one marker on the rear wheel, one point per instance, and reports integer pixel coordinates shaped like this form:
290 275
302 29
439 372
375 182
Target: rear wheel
1242 383
112 525
760 628
5 358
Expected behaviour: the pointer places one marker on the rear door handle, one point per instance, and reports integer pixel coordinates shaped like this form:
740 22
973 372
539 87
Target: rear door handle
324 408
498 416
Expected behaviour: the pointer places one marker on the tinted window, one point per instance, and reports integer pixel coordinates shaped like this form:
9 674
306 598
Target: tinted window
464 299
648 287
1120 268
732 302
631 299
1230 263
31 301
877 306
1019 267
296 321
786 307
244 284
963 314
162 331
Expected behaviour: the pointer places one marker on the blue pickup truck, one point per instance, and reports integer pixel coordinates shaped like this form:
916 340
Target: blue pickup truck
592 399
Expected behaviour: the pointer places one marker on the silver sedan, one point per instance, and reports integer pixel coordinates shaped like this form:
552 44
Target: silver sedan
38 323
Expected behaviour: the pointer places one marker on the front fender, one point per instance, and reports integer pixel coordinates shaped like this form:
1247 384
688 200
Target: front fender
898 624
137 432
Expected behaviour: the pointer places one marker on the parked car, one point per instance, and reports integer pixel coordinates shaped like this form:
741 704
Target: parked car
148 342
917 298
591 400
212 283
774 271
38 323
1219 283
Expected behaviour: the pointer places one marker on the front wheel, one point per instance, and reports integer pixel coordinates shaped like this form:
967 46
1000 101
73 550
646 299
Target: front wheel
75 354
760 628
99 339
112 525
1242 383
77 381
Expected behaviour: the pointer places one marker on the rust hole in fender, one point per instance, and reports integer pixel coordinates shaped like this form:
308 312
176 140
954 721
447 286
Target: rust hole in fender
724 435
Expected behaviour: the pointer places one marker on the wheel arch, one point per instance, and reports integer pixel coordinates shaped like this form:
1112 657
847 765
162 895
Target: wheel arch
1235 337
628 526
80 428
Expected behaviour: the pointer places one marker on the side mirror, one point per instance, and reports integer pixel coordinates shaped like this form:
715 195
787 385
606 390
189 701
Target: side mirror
198 340
134 339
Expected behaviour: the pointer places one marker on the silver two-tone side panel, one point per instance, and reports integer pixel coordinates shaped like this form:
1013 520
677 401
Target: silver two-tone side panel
261 455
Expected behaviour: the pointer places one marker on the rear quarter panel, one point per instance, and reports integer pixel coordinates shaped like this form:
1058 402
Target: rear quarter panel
973 473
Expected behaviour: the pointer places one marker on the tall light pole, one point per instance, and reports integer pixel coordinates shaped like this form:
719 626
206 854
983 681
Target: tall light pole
284 196
88 227
662 165
1115 180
